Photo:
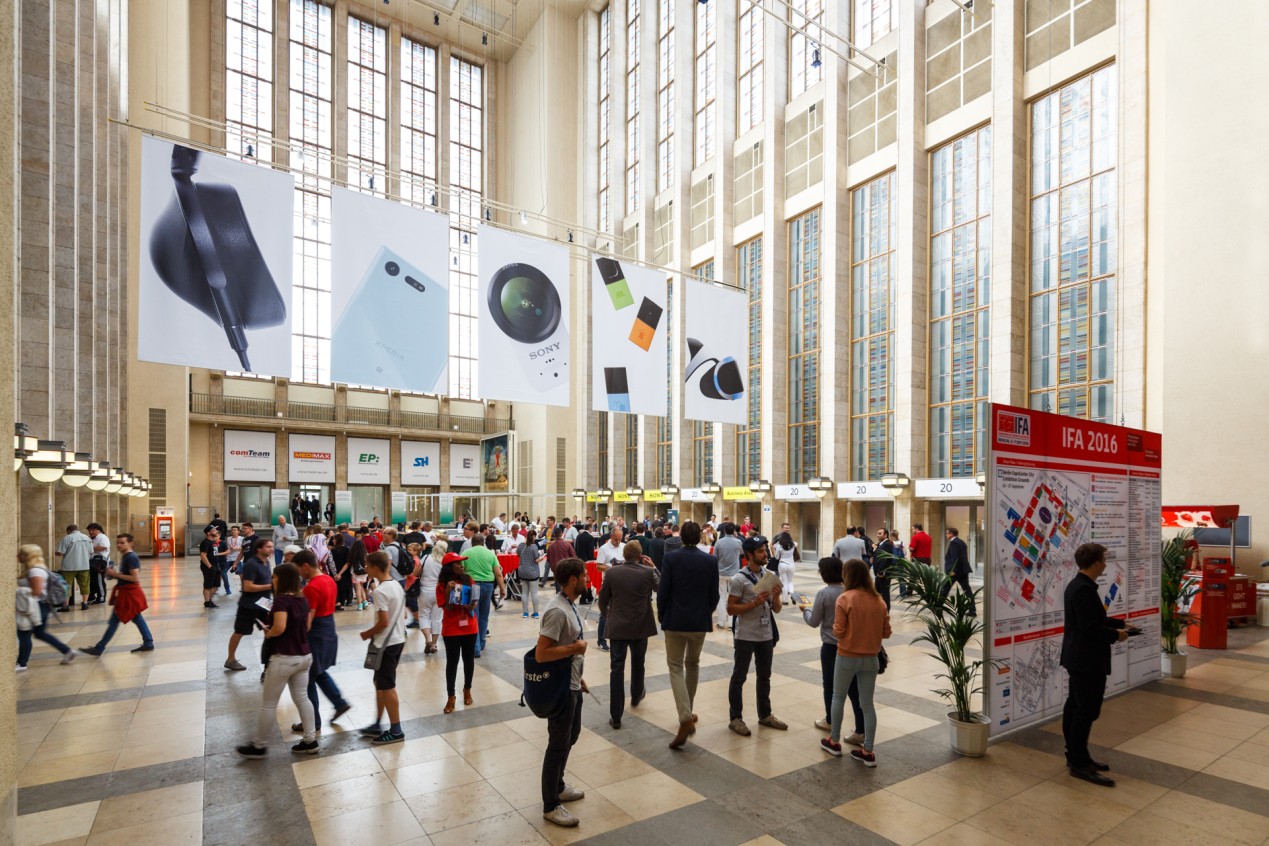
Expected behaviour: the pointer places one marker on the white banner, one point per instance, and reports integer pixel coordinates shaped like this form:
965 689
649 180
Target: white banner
421 463
694 495
389 294
863 491
464 465
524 316
215 246
312 458
948 489
250 456
715 377
629 327
795 493
368 461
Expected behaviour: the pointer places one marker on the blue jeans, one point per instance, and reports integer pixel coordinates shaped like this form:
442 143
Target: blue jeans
147 639
324 644
277 554
863 670
25 639
482 611
225 566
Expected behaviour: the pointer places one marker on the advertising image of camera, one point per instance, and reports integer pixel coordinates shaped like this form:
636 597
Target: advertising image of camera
526 307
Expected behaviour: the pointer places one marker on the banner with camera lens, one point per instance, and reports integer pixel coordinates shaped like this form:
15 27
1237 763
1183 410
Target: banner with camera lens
215 241
629 327
716 354
524 301
389 294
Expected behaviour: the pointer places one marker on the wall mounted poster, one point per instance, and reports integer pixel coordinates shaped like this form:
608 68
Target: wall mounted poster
716 374
495 455
250 456
389 294
464 465
1055 483
368 461
629 326
420 463
215 261
312 458
524 316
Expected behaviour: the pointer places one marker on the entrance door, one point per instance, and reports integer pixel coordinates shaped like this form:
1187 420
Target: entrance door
965 518
306 492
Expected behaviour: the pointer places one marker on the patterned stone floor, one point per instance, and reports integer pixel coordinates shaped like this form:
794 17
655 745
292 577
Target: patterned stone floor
138 750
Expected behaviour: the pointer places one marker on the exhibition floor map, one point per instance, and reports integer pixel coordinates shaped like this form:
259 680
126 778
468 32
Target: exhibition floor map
1057 483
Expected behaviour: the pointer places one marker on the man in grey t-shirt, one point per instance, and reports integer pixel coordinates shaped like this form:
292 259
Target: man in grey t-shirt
754 639
561 637
851 546
727 549
75 550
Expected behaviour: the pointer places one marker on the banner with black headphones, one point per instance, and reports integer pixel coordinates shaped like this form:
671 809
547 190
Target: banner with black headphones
629 326
716 337
389 294
524 300
216 240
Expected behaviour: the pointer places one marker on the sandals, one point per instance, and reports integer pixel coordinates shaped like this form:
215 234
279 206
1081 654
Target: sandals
449 705
467 700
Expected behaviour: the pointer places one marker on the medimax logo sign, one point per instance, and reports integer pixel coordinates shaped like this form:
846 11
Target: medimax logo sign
312 456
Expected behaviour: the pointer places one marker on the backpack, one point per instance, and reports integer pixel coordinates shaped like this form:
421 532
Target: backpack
405 562
546 686
56 590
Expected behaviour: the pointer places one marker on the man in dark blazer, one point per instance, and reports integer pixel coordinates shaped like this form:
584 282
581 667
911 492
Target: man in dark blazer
625 600
1086 639
956 564
686 599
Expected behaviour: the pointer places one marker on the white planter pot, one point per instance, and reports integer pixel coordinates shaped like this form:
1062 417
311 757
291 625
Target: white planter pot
1173 665
968 739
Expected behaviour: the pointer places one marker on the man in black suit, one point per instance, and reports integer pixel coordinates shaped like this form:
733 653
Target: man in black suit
625 601
956 564
1086 640
686 599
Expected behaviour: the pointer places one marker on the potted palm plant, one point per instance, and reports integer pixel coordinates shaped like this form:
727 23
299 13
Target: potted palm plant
1175 593
951 623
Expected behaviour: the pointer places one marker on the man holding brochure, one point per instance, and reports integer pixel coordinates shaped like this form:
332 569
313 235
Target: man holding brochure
753 598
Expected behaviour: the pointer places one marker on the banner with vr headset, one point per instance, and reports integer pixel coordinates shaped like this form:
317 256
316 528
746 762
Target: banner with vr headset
628 332
716 335
215 269
389 294
523 294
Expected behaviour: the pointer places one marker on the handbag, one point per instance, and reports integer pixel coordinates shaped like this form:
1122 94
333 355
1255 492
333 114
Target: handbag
374 656
883 661
546 686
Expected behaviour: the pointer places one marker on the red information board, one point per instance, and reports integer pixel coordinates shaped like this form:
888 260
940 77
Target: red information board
1057 482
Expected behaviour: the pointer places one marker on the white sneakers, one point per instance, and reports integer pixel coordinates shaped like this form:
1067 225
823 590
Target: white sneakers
68 657
561 816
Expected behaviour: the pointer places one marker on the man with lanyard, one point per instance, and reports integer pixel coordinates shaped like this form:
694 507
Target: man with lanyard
323 643
754 637
561 636
257 584
608 556
485 571
284 534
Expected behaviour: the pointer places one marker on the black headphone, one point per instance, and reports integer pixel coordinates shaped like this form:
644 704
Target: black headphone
203 250
721 381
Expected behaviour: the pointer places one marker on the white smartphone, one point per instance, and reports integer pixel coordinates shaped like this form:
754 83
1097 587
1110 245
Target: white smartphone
394 332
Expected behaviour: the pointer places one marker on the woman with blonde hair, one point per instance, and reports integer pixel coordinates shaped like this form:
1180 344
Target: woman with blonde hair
431 612
860 622
32 606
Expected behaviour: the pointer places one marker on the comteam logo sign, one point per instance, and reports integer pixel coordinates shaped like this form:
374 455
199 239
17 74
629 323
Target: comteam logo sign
420 463
249 456
368 461
1013 428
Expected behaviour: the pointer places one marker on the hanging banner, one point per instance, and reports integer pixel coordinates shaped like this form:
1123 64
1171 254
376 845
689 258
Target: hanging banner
421 463
1055 483
795 493
495 456
445 510
215 246
312 458
629 327
389 294
524 316
694 495
398 507
343 506
368 461
715 378
249 456
464 465
279 505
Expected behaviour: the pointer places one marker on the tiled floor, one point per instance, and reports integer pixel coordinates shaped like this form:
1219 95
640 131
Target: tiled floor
138 749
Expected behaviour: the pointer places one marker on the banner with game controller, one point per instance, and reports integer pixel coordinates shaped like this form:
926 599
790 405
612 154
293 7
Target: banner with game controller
716 372
629 331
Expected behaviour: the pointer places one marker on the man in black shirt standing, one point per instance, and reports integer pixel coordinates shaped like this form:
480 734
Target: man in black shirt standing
257 584
211 553
1086 639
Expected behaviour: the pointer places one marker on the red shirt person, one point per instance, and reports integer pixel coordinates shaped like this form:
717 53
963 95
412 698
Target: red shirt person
320 590
921 545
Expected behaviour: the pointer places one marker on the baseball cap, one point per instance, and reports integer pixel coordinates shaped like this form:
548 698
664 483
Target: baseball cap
291 549
451 557
756 542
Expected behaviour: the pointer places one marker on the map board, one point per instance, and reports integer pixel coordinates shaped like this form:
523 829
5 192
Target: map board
1057 482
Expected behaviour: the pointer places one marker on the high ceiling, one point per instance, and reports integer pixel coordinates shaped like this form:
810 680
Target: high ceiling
465 22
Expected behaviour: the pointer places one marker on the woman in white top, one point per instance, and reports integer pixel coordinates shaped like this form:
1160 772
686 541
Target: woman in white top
231 557
786 553
430 612
32 606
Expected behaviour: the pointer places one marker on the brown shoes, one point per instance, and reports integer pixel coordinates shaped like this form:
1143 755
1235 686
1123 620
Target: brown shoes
685 731
449 705
467 700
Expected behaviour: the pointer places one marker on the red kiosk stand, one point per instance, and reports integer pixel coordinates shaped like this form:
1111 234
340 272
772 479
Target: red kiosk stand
1222 593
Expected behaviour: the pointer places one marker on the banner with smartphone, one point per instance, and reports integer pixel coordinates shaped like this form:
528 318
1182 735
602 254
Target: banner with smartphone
523 331
716 355
389 294
215 246
629 332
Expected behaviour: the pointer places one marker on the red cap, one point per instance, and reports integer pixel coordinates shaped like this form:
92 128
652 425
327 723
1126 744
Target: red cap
451 557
